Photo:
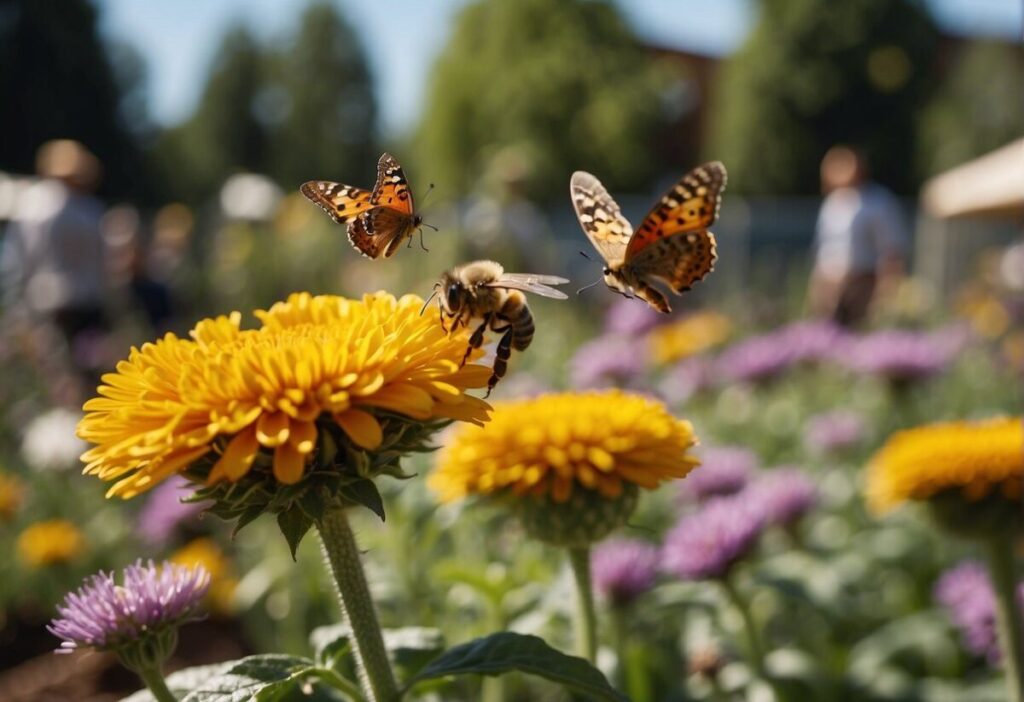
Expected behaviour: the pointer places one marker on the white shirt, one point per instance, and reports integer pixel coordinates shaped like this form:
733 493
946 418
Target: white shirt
856 228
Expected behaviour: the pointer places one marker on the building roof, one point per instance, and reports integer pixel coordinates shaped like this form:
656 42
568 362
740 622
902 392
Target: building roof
991 185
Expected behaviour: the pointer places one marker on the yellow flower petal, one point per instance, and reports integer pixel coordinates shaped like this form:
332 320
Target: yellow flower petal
362 427
237 457
289 464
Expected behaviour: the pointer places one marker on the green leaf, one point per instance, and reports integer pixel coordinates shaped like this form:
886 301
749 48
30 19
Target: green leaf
183 681
507 651
410 648
294 524
365 493
270 677
330 643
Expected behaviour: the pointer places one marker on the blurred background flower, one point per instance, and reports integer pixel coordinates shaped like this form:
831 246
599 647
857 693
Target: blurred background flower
50 542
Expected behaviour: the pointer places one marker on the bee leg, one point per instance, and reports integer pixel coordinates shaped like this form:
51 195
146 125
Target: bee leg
501 356
477 339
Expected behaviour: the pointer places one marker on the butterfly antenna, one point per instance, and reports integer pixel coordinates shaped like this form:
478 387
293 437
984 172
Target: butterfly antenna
588 287
584 255
428 226
426 194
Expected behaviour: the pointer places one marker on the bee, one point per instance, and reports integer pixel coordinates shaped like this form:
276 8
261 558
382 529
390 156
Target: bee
483 290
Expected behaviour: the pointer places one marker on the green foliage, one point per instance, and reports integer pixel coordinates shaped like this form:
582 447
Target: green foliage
814 73
507 651
56 82
527 91
978 107
305 111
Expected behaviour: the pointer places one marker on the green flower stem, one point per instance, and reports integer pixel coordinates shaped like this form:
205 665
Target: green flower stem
633 674
342 553
586 619
755 651
1008 613
154 680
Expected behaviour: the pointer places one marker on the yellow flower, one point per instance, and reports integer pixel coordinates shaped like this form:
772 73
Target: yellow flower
694 334
50 542
322 358
206 553
11 492
971 457
602 442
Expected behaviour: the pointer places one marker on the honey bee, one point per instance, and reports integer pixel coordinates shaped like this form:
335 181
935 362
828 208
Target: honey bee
483 290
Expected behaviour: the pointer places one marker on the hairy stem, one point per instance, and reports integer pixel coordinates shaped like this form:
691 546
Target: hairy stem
586 619
342 553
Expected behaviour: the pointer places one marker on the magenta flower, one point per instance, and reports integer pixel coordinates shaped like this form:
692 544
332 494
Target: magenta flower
631 318
782 495
624 569
900 355
687 378
834 431
707 543
766 356
608 361
966 593
164 510
723 470
151 600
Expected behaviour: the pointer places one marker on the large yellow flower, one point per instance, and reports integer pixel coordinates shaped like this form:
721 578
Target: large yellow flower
239 391
554 444
974 458
50 542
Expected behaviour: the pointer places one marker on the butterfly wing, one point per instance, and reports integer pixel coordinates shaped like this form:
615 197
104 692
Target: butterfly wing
680 260
343 203
379 231
691 205
600 217
529 282
392 188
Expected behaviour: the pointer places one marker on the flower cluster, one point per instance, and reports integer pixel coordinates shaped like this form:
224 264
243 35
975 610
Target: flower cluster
766 356
966 594
834 431
707 543
900 355
151 598
608 361
243 392
624 569
723 470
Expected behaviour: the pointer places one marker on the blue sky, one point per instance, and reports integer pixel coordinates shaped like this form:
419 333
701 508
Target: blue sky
402 37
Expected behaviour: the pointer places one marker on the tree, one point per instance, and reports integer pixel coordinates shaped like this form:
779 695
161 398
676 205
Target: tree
327 129
56 81
978 108
544 87
817 72
226 133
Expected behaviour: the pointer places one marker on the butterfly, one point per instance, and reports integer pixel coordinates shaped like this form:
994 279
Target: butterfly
379 221
672 243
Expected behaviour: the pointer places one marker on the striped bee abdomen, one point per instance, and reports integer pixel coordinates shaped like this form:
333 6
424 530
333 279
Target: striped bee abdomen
516 311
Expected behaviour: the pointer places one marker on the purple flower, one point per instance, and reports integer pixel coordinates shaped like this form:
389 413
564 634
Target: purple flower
630 317
624 569
834 431
608 361
901 355
768 355
164 510
151 599
723 470
782 495
686 378
708 542
966 593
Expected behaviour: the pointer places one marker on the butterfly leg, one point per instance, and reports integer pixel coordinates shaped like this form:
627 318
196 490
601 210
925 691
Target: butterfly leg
501 356
422 245
477 339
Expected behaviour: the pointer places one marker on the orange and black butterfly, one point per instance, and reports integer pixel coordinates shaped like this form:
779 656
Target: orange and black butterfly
672 243
379 220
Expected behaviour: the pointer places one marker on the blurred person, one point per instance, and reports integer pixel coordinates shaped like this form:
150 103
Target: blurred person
860 240
52 267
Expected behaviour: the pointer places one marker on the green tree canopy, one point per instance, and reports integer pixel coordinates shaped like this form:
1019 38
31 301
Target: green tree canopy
327 129
978 108
543 87
56 81
814 73
304 111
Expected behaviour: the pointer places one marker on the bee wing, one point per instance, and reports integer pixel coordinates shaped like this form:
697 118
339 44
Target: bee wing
530 282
